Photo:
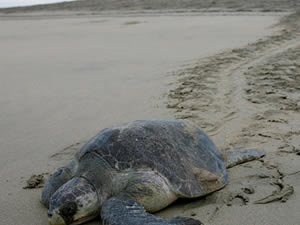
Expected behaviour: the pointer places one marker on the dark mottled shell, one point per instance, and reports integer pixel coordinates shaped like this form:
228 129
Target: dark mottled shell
180 152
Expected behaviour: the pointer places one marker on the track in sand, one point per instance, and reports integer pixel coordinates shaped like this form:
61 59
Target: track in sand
248 98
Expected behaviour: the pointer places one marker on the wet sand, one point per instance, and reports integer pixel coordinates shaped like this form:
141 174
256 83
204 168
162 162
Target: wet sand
63 78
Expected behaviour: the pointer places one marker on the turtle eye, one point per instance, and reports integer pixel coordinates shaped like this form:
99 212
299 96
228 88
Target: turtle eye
68 209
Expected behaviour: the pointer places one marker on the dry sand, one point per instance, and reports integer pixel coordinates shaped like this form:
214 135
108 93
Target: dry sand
65 77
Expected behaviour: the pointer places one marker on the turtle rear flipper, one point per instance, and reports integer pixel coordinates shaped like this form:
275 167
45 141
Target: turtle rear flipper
235 157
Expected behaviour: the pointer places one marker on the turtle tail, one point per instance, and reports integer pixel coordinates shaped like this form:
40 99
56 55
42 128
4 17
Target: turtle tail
235 157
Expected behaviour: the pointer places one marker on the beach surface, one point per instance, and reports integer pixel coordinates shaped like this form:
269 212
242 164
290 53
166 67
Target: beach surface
65 76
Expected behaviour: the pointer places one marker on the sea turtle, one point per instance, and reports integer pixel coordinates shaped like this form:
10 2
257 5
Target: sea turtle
127 172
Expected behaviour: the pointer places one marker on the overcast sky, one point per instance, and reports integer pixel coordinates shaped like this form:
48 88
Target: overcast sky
10 3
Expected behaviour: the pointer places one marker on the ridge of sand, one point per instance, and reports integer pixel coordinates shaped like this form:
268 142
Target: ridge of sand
140 5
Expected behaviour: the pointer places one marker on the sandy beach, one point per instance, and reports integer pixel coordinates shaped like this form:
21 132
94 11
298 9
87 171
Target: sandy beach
65 75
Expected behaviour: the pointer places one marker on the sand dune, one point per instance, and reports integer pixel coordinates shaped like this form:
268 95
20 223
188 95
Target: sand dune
195 5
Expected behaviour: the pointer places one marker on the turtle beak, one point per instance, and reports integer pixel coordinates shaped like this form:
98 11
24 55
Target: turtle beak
55 219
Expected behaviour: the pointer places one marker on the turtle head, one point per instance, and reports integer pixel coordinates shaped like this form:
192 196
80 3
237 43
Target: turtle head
75 202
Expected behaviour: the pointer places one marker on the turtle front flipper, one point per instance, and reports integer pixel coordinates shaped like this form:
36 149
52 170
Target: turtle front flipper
125 211
60 177
235 157
144 192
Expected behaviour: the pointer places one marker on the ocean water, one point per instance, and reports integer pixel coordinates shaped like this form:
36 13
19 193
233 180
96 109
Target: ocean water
14 3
